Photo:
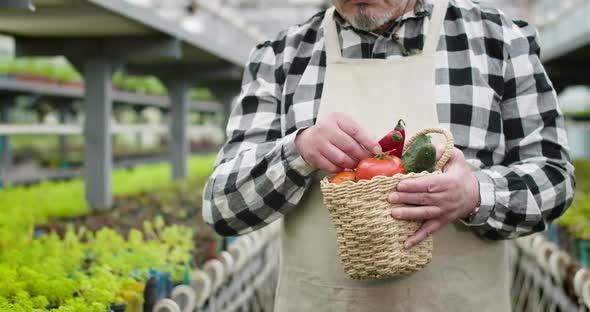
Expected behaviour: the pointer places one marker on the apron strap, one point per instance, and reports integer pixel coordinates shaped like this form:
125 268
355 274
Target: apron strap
436 24
332 43
331 40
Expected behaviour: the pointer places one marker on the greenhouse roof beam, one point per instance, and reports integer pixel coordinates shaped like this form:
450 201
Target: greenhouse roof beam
221 43
221 40
16 4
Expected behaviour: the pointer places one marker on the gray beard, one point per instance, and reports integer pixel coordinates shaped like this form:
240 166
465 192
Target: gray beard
363 20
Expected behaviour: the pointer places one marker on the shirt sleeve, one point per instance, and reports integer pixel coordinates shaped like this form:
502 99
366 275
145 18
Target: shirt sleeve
535 183
259 175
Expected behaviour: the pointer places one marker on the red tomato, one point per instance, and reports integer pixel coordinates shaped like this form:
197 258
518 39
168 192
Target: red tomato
343 177
380 165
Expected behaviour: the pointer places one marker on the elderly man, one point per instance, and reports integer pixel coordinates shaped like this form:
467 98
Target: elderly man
313 100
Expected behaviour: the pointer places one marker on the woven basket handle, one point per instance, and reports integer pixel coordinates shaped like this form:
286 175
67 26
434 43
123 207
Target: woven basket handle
448 148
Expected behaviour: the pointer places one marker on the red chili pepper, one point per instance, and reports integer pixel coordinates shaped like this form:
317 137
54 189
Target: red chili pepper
393 143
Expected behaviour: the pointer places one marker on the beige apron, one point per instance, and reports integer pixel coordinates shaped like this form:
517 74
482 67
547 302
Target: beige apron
466 273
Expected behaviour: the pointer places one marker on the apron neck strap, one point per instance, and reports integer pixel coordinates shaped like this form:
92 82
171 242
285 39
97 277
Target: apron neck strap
331 40
332 43
436 24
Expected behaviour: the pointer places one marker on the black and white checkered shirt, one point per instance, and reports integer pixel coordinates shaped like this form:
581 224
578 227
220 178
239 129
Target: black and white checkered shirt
492 93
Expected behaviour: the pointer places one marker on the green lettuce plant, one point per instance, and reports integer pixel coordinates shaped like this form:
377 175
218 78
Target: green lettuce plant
577 218
23 207
84 271
81 305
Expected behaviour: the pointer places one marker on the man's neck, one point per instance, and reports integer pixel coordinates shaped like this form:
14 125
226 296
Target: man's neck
407 7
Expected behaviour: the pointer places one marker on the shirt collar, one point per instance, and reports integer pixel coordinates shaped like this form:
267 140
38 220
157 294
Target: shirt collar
422 9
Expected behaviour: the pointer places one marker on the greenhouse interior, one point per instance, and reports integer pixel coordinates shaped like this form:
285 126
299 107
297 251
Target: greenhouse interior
125 155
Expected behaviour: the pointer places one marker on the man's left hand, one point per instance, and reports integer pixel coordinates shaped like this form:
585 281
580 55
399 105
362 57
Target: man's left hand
437 200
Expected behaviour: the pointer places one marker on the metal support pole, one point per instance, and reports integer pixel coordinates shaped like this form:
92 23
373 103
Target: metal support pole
227 101
199 118
179 145
63 116
225 92
5 146
98 108
138 120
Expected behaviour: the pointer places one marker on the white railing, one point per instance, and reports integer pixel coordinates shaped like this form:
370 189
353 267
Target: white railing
540 270
243 278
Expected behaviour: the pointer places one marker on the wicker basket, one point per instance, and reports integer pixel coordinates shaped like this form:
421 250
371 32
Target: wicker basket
370 240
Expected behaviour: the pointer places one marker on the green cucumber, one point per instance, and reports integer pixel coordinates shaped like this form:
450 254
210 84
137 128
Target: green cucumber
420 156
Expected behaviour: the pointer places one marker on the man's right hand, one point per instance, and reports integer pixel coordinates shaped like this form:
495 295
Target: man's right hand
336 143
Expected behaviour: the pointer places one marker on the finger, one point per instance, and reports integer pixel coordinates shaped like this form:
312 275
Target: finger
457 158
419 199
416 213
458 154
349 146
324 164
440 150
427 229
360 135
429 184
338 157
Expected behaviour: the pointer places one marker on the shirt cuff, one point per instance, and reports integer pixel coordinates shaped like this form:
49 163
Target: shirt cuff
487 194
293 157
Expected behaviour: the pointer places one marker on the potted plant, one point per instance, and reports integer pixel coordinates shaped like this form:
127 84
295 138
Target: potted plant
132 292
150 294
206 247
119 307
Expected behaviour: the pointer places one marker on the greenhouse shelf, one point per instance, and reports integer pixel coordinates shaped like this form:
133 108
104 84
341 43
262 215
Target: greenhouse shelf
38 129
132 39
39 175
77 92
